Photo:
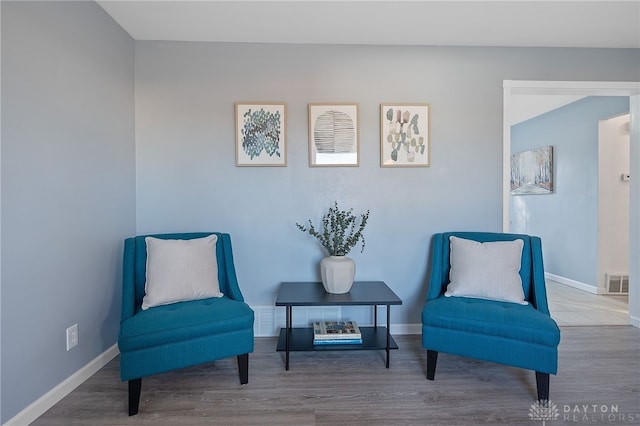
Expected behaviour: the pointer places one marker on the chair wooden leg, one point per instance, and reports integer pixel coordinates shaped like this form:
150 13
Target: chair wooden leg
432 359
542 382
135 386
243 368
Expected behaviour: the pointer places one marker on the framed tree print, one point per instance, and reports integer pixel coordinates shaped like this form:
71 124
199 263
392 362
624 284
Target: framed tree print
532 171
261 134
333 135
405 135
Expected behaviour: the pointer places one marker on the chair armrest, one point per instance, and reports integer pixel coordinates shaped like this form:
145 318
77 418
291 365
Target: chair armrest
232 287
539 297
435 280
128 280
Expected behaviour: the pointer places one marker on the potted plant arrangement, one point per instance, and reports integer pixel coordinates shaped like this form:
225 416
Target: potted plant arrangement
340 232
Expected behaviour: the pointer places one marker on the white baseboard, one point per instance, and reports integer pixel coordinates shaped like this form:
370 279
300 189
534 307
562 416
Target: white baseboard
48 400
270 319
575 284
405 329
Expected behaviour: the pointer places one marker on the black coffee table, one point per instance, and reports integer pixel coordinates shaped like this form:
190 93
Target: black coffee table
368 293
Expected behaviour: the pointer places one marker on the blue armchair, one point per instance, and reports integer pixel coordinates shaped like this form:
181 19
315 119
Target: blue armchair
507 333
182 334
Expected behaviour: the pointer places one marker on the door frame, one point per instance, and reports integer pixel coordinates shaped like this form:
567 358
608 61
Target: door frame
585 88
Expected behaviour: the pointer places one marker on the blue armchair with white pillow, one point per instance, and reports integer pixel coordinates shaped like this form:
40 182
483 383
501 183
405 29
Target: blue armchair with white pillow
181 306
487 300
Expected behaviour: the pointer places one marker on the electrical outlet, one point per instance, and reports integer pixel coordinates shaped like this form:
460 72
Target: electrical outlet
72 336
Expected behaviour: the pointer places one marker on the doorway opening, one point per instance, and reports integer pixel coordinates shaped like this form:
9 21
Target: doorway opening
572 91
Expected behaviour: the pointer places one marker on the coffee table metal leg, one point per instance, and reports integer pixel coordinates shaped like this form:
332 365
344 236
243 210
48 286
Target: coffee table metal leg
388 333
375 316
287 339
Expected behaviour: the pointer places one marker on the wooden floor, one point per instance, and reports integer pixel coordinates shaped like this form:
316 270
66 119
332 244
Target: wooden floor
571 306
597 366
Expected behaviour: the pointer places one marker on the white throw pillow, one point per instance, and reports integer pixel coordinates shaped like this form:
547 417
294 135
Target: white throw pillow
488 270
180 270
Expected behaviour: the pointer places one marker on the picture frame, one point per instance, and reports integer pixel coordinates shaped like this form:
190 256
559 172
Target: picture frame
261 134
405 135
334 135
532 171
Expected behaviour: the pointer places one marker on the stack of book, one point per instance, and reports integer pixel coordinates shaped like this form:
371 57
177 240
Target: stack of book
336 333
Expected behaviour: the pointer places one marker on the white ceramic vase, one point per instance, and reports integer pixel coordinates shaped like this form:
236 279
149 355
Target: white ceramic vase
338 273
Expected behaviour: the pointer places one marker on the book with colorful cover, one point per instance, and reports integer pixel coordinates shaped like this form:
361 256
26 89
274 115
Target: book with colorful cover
336 330
337 341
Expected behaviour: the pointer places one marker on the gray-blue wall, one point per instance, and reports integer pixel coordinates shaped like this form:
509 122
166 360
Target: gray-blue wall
187 178
68 189
68 184
567 220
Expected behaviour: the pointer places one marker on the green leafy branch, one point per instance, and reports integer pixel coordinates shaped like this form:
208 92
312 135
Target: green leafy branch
340 231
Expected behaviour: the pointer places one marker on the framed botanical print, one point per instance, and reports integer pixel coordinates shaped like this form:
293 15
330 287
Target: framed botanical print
261 134
405 135
334 135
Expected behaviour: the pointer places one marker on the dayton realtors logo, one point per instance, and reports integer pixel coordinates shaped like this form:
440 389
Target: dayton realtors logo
543 410
597 414
580 413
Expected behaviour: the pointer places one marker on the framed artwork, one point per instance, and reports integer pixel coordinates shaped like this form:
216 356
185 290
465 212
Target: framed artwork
405 131
334 135
532 171
261 134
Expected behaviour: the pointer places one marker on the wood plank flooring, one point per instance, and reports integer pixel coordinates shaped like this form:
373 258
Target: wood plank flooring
571 306
597 365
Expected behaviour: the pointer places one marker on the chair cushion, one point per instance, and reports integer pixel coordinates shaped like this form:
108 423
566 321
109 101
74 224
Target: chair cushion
180 270
489 270
183 321
492 318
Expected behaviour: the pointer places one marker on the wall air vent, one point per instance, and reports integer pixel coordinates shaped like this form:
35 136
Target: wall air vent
617 283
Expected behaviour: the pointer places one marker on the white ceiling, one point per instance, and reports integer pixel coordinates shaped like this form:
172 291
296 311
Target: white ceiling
609 24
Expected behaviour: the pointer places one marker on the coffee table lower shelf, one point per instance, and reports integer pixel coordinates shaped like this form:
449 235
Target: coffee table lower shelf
373 338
